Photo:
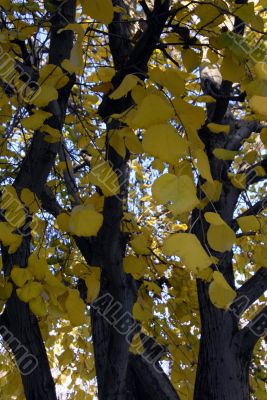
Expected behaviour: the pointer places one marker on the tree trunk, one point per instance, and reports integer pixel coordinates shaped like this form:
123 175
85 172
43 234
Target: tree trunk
223 366
21 333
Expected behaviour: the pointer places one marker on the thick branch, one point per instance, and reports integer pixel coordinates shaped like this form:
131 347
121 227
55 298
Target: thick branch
254 330
249 292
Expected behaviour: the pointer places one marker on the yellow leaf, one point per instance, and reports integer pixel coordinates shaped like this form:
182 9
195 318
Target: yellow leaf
259 105
249 223
38 267
189 249
164 142
238 180
85 221
220 236
135 266
6 289
116 140
20 276
177 193
212 190
223 154
66 357
169 78
92 281
101 10
192 118
128 83
30 200
75 308
217 128
152 110
103 176
203 165
63 222
8 238
140 244
191 59
53 75
29 291
44 96
38 306
36 120
232 69
141 313
53 134
220 292
260 70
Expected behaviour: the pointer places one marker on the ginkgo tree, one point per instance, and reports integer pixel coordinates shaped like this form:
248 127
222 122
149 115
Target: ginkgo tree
133 205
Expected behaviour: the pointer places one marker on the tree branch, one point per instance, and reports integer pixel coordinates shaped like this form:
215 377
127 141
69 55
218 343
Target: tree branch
249 292
254 330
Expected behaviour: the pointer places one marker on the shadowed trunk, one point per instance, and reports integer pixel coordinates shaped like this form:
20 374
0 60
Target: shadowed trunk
223 368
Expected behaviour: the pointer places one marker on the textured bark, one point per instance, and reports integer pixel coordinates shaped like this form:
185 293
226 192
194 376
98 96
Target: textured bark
223 363
145 382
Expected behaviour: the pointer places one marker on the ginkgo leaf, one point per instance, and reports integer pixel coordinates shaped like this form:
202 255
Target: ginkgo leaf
103 176
189 249
191 59
140 244
92 281
203 165
260 70
44 96
217 128
141 313
135 266
85 221
38 306
8 238
220 292
249 223
259 105
30 199
63 221
38 267
192 118
53 75
36 120
116 140
220 236
177 193
20 276
75 308
101 10
169 78
224 154
6 289
212 190
164 142
29 291
128 83
152 110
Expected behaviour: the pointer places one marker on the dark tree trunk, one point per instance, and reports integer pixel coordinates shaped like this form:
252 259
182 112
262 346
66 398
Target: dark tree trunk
21 333
223 362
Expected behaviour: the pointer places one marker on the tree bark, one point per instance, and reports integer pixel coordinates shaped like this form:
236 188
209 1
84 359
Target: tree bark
223 363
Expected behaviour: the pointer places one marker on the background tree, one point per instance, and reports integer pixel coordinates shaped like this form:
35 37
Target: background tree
133 207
